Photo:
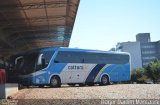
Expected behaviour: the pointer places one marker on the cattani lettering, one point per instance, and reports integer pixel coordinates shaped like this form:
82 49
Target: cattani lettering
75 67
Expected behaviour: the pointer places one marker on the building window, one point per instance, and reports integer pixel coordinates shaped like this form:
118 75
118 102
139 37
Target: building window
148 52
149 58
148 46
145 63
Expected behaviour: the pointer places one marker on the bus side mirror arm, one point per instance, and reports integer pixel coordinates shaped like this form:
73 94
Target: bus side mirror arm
43 62
56 61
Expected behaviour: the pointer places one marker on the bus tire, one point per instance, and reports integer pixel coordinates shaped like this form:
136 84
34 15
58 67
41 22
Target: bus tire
90 84
27 86
71 84
82 84
41 86
104 80
20 86
55 82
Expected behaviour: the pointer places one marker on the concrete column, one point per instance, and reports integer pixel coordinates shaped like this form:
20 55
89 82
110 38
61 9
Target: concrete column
2 91
2 83
8 89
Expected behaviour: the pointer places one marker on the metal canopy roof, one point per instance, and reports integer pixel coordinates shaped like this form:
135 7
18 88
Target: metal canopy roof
31 24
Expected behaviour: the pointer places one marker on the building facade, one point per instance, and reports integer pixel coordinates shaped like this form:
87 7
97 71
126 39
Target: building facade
142 52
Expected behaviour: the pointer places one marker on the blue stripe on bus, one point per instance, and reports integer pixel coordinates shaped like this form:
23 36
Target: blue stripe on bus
94 72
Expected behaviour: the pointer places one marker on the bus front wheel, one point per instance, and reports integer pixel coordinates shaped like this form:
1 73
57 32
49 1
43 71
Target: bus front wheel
41 86
20 86
55 82
104 80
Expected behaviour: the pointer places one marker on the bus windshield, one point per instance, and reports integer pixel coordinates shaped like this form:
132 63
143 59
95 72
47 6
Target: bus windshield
26 64
31 62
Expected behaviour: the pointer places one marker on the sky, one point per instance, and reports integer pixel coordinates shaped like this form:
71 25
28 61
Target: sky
101 24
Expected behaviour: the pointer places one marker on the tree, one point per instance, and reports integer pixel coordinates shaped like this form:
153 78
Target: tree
137 75
153 70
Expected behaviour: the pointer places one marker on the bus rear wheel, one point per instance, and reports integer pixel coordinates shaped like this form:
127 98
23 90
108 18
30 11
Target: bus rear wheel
90 84
55 82
104 80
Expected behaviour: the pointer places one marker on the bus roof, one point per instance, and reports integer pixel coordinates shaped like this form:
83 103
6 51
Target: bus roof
72 49
79 49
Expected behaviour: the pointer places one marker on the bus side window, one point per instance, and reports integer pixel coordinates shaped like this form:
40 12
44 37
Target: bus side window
82 60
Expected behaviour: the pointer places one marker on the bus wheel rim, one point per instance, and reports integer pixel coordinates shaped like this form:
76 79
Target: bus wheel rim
54 82
104 80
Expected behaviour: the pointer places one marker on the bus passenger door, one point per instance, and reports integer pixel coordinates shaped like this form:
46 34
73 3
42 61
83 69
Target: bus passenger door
66 75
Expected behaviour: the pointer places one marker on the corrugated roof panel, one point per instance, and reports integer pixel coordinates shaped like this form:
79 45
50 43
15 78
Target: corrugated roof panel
31 24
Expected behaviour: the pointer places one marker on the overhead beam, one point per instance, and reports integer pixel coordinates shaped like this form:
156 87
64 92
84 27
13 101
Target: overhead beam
30 41
36 28
40 5
18 24
41 39
40 43
38 33
36 19
46 38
